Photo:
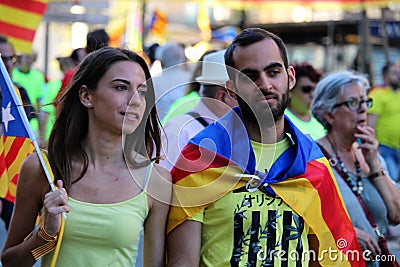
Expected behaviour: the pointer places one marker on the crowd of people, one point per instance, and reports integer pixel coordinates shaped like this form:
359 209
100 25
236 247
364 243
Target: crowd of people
263 159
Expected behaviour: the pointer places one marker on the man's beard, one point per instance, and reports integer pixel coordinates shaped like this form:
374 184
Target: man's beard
249 115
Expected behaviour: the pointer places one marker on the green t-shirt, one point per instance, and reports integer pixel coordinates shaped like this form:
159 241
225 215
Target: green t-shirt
386 106
53 86
33 82
181 106
312 127
243 228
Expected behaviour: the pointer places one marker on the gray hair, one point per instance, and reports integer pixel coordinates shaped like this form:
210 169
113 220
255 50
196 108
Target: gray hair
330 89
170 54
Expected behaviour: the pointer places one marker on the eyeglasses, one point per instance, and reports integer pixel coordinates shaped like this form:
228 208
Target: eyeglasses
354 104
306 89
12 59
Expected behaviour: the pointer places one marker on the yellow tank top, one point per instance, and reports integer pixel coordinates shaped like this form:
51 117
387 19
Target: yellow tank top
102 234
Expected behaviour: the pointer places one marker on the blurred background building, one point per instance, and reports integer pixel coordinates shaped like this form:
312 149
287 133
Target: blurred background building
332 35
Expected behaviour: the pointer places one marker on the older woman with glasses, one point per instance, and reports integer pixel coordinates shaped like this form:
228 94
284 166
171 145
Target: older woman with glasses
340 104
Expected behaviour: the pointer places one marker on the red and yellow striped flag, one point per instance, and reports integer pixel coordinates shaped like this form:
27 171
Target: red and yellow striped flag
13 151
158 24
19 20
15 143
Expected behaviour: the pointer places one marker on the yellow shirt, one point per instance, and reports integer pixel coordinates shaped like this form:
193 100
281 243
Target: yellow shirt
243 228
386 107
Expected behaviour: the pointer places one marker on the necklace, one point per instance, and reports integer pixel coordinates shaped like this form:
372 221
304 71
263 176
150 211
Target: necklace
354 181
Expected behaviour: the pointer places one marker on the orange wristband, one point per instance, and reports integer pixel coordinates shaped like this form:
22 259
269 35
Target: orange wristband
45 236
51 242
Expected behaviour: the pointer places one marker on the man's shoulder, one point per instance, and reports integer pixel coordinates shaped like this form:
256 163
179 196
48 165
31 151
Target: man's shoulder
177 121
379 90
22 91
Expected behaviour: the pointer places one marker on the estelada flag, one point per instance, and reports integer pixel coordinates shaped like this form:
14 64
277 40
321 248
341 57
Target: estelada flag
15 142
301 176
158 24
19 21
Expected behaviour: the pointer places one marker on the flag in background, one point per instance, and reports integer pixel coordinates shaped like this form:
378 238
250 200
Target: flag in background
15 143
203 21
134 27
158 24
19 20
117 22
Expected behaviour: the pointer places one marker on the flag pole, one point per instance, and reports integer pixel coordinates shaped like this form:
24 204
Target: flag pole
27 126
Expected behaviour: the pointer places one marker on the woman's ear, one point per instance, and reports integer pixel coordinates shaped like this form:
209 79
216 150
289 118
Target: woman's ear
85 97
328 116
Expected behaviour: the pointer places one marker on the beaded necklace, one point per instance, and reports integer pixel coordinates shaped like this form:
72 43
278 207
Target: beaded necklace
356 184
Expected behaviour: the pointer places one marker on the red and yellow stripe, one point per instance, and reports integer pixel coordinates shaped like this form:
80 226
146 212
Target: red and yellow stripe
13 151
311 195
314 200
160 22
19 21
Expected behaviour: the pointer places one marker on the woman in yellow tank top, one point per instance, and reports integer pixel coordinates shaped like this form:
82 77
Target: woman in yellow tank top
102 149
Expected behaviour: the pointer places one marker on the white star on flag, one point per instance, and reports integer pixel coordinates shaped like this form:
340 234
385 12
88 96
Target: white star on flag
7 116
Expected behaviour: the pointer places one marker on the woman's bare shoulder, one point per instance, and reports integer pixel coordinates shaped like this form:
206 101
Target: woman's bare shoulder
162 172
160 185
32 173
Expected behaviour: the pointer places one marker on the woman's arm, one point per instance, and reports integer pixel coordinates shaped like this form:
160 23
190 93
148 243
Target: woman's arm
184 244
390 195
388 191
367 242
31 189
159 196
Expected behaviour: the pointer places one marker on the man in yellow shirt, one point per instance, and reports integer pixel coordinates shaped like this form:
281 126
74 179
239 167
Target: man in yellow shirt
384 116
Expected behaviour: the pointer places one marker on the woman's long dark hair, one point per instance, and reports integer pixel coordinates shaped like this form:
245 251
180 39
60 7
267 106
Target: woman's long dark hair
71 124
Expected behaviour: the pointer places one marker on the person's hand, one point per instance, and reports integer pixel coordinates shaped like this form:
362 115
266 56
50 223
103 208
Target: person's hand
54 204
367 242
369 145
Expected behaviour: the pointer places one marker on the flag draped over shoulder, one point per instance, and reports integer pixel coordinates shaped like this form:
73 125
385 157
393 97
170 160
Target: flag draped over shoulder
15 144
19 20
208 166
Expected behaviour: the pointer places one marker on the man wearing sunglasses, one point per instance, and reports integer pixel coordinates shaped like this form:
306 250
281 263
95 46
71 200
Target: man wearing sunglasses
301 97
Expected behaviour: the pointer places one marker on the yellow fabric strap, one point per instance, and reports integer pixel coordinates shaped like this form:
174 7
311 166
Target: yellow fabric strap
60 237
61 233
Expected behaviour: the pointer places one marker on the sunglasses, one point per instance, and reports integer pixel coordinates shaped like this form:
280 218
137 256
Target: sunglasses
306 89
354 104
12 59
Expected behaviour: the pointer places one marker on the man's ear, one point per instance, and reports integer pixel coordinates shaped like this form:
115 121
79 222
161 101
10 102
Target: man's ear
220 95
291 77
230 89
85 96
